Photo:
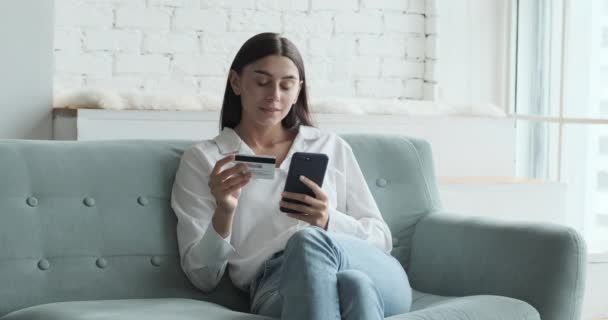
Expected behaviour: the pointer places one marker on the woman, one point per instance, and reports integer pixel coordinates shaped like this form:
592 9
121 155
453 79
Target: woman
329 261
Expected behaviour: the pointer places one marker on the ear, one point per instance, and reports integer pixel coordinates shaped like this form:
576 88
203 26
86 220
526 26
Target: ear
235 82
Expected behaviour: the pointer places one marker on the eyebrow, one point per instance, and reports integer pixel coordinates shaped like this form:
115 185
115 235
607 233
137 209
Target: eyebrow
270 75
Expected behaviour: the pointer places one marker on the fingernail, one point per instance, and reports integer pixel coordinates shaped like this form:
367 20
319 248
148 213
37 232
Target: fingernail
301 177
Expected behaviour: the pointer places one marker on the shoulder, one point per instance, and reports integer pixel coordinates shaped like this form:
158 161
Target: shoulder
330 143
200 149
200 154
324 136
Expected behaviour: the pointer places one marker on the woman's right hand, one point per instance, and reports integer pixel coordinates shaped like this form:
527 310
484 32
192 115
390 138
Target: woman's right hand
225 185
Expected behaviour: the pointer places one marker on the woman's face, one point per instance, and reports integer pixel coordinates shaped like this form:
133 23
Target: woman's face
268 88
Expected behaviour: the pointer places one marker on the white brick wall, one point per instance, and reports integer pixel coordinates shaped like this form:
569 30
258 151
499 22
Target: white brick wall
364 48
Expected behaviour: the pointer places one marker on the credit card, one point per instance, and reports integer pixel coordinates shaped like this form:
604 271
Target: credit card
261 167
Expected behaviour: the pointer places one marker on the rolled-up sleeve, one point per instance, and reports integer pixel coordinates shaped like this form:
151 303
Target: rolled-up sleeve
204 253
361 217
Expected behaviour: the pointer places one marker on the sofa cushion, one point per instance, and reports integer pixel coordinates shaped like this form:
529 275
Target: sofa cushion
130 309
427 306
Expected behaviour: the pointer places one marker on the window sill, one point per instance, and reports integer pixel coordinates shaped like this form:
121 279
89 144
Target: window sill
597 257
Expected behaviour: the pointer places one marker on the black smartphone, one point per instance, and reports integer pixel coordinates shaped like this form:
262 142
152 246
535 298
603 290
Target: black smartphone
310 165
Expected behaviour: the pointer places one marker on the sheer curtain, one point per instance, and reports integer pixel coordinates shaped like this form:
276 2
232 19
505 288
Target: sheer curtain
561 105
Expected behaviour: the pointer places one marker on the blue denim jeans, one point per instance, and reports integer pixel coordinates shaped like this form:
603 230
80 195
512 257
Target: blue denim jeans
330 276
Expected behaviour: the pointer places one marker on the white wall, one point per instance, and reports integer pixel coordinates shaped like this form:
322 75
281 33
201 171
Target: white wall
473 46
364 48
26 66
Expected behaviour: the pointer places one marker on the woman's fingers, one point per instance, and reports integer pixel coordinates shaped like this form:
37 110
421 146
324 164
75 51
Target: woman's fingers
302 208
314 187
221 175
313 202
314 210
220 163
233 181
217 180
239 168
237 186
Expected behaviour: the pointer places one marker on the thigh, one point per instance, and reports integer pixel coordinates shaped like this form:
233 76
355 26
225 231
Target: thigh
384 270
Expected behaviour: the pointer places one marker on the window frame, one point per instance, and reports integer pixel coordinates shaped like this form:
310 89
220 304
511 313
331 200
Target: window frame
559 96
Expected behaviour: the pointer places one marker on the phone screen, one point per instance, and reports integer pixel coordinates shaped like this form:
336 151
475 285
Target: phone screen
310 165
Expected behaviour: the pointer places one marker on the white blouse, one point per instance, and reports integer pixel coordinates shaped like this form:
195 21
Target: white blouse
259 228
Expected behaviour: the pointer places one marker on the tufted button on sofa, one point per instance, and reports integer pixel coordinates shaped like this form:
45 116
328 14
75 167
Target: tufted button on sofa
31 201
87 232
155 261
101 263
44 264
143 201
89 202
381 182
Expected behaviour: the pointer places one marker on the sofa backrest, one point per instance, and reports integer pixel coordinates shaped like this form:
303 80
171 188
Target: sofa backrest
92 220
400 174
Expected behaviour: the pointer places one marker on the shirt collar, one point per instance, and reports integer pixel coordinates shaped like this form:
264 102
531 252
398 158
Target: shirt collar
228 141
309 133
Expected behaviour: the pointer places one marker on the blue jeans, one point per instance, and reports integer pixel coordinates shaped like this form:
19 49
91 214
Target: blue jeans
330 276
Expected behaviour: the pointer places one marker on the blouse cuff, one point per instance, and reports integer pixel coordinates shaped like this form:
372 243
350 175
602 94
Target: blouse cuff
341 223
213 247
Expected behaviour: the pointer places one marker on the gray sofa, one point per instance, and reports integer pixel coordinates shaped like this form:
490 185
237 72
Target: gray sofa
87 232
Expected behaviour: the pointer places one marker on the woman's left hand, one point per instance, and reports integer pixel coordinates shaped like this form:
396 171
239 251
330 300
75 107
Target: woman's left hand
314 211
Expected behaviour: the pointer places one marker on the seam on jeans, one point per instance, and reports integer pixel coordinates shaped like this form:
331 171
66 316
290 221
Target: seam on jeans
261 299
335 244
339 315
260 284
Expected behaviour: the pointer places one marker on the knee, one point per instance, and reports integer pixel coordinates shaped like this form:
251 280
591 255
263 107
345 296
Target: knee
357 287
354 282
308 237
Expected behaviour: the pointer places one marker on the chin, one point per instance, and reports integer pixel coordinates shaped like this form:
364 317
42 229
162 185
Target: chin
269 122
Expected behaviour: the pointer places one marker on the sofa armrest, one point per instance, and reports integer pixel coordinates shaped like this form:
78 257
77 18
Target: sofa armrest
541 264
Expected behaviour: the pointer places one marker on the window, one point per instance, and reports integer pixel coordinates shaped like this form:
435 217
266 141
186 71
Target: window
561 105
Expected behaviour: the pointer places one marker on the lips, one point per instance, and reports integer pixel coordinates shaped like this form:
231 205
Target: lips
270 109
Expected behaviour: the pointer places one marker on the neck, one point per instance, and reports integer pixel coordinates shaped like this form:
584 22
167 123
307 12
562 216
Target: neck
260 136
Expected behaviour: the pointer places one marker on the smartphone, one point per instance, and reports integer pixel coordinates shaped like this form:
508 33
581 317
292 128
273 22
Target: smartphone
310 165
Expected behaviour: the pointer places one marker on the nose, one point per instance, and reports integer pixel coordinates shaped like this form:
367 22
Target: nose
274 93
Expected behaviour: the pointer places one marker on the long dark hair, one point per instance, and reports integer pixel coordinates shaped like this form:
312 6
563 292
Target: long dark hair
258 47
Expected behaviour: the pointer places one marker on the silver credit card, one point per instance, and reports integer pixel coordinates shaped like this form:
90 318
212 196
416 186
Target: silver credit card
261 167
